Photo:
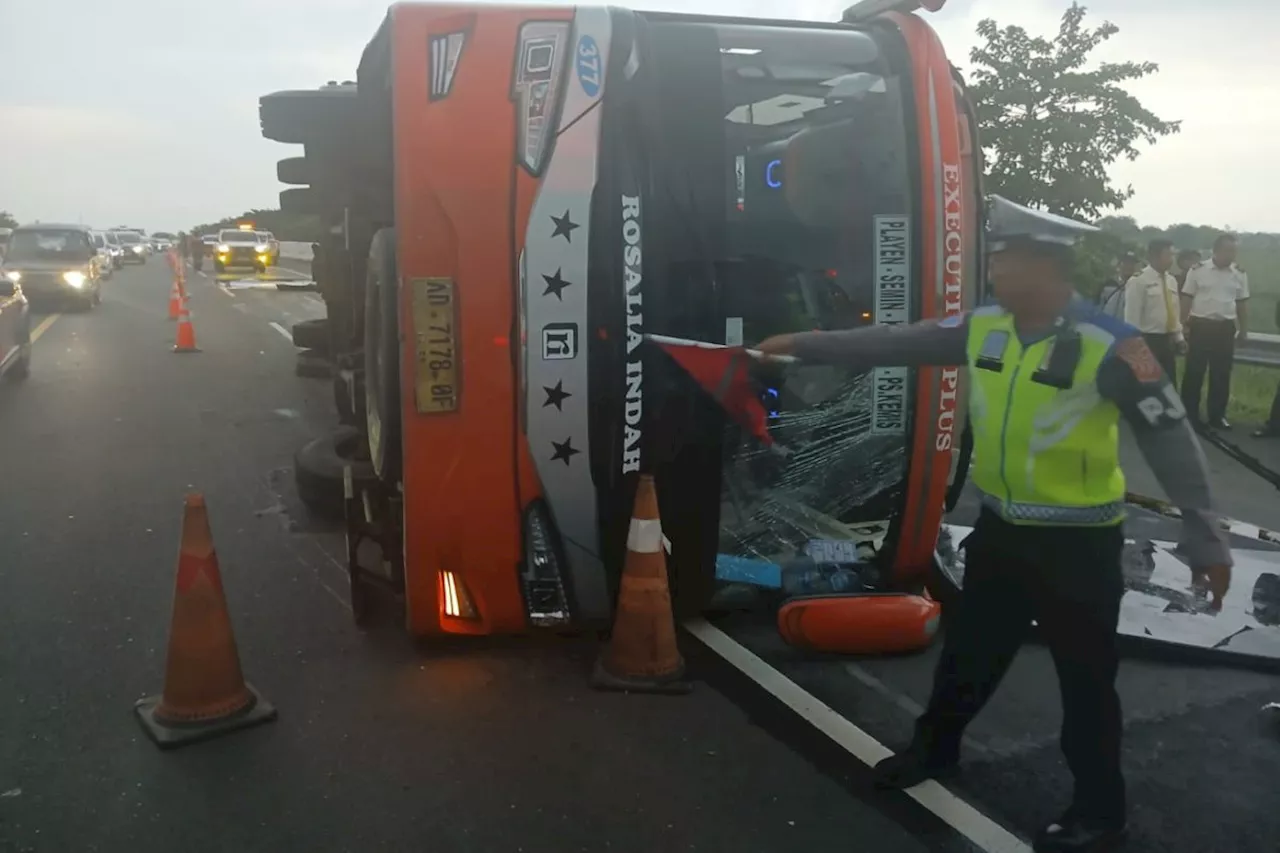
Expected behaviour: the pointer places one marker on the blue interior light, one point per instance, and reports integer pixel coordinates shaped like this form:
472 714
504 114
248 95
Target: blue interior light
769 177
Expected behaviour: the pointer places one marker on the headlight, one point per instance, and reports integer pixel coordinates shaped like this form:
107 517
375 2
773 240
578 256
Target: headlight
13 276
222 247
137 249
260 249
75 278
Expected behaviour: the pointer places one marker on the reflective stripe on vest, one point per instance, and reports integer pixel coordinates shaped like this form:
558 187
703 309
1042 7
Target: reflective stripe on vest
1042 455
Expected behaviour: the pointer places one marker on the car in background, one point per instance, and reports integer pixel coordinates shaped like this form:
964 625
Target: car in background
162 241
15 331
106 262
54 263
240 248
266 238
134 249
114 249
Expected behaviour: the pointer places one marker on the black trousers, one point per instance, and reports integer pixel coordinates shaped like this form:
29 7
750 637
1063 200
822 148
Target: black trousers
1212 347
1165 349
1274 420
1069 580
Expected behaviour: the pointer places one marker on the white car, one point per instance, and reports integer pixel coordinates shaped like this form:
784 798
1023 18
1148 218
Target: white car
106 260
266 238
135 248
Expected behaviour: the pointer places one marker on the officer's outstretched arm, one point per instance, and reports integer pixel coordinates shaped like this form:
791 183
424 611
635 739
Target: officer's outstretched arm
927 343
1134 381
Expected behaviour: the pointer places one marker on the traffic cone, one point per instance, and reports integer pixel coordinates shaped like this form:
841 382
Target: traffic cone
186 340
175 299
205 694
641 655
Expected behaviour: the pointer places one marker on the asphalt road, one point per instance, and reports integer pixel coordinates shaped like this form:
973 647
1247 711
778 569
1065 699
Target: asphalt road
380 745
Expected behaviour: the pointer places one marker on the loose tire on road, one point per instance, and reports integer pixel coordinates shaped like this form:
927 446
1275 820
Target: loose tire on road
318 471
313 365
312 335
382 356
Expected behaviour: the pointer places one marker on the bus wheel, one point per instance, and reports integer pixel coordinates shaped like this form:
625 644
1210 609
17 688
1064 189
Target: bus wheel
382 356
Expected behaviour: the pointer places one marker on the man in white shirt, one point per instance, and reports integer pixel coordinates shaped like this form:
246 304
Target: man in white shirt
1215 301
1151 306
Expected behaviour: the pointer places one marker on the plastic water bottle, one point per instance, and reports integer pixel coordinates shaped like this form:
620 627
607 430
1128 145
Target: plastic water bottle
802 576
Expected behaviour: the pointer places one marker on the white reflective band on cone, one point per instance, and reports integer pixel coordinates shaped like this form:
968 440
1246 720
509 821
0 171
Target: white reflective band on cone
645 537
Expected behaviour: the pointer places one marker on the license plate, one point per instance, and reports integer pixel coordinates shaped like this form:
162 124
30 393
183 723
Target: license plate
435 327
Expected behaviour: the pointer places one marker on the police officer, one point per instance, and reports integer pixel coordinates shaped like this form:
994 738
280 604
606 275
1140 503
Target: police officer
1050 376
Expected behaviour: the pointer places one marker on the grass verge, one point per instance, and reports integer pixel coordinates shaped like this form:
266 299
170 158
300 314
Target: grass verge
1252 389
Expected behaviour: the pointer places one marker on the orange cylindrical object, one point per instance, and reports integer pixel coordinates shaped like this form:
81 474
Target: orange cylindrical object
860 623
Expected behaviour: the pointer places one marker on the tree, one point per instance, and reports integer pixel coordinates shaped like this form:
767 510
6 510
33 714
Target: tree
286 226
7 220
1050 127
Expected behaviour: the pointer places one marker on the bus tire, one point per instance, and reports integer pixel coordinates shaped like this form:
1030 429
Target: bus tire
312 335
313 365
382 357
318 471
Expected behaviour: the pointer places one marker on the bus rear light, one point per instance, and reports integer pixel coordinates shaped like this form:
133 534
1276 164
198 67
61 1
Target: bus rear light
541 577
536 89
456 598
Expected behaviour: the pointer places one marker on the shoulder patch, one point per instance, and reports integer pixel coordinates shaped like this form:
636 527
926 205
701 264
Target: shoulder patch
1134 352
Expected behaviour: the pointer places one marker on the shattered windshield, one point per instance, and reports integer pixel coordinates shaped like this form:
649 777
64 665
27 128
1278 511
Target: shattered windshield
815 236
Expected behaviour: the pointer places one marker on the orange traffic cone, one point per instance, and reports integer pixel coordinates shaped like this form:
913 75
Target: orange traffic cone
642 656
205 694
175 299
186 340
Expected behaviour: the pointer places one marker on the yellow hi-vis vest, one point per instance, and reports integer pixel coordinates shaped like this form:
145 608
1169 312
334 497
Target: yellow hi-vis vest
1042 454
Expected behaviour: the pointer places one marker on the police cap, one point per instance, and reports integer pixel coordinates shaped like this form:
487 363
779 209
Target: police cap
1010 224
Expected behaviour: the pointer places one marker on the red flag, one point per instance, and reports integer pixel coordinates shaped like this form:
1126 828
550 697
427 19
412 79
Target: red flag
723 373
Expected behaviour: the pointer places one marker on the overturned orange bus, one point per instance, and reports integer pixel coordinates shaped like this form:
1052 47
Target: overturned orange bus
516 196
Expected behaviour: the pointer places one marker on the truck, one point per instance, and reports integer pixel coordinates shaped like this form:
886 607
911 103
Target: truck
517 200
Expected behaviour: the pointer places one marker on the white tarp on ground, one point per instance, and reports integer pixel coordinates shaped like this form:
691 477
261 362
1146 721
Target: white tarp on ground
1160 602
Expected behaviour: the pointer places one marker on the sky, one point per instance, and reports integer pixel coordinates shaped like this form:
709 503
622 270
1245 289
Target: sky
144 112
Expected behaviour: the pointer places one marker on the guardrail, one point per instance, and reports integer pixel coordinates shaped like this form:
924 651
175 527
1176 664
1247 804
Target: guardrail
1261 349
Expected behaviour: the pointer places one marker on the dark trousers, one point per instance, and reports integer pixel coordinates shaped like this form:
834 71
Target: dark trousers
1274 420
1165 349
1069 580
1212 347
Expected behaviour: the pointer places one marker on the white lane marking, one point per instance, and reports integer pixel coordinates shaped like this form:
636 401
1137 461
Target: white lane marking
224 290
979 829
901 700
288 336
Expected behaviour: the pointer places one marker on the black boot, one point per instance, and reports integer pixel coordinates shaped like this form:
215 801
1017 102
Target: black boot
1074 834
913 766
